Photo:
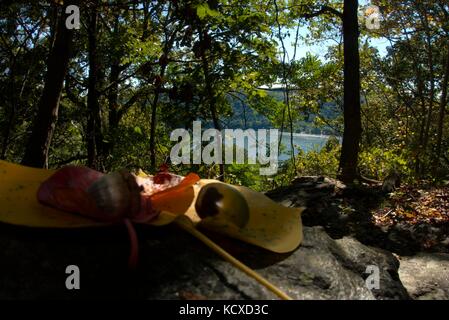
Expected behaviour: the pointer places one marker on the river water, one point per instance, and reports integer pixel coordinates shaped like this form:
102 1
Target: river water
303 141
306 142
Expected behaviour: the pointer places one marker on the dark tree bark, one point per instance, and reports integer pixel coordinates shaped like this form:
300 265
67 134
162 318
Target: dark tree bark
36 151
163 62
113 116
351 100
10 113
94 127
114 87
352 118
11 105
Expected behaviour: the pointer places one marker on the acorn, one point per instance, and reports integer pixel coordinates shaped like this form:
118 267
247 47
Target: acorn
116 194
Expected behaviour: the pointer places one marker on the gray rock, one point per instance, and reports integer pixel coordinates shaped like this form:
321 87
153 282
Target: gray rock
426 275
174 265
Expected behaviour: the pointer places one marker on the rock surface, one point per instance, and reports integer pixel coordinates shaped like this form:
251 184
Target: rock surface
426 276
174 265
339 251
348 211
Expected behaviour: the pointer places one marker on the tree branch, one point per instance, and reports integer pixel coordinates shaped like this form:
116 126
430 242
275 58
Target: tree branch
324 10
135 97
77 157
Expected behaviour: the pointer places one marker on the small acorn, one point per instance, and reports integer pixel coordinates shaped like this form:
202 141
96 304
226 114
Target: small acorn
116 194
221 203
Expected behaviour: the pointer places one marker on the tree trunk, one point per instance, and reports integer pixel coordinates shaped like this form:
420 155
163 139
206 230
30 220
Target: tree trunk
36 151
94 127
163 63
424 21
442 111
211 98
154 104
10 113
112 96
352 118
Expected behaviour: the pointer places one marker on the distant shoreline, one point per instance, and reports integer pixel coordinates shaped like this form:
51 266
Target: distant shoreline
308 135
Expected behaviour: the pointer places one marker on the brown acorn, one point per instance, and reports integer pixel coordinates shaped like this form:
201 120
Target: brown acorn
117 194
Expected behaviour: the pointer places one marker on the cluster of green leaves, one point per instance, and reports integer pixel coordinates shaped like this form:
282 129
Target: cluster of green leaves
379 162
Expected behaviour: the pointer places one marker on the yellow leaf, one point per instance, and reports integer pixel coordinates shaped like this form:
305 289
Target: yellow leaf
269 224
244 214
19 204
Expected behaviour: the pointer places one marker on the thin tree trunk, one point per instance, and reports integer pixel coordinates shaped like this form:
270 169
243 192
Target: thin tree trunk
146 18
163 62
113 114
94 134
424 20
211 99
11 112
418 163
352 118
154 104
442 111
36 151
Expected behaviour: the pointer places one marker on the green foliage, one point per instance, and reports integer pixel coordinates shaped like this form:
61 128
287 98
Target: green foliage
246 175
203 11
180 61
378 162
320 162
